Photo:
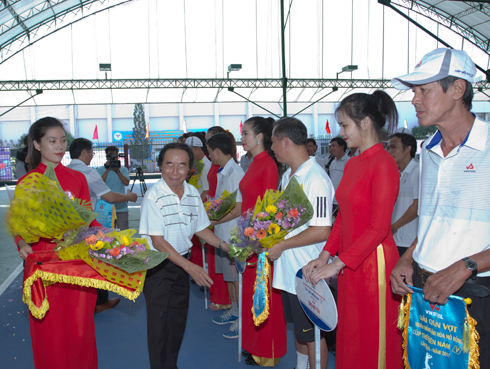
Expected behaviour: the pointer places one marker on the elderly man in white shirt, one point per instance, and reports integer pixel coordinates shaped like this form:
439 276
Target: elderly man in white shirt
451 255
171 213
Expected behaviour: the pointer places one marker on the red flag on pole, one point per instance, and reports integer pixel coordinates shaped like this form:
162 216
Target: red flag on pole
147 136
96 134
241 127
327 128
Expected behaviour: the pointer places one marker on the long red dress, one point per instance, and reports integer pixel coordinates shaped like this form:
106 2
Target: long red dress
268 340
367 319
65 337
218 292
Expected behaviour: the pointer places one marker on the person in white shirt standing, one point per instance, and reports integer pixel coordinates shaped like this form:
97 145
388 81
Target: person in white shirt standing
171 213
220 148
303 244
451 254
405 222
336 168
82 152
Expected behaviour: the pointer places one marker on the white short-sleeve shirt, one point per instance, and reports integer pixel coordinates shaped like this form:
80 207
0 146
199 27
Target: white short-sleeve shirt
96 184
319 190
177 220
228 179
454 200
409 191
336 170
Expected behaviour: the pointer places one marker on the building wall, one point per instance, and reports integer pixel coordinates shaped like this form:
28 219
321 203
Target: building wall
81 120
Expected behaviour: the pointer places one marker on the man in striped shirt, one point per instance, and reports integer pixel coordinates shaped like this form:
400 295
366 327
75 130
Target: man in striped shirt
171 213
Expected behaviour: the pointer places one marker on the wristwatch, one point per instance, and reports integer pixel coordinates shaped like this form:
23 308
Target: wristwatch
471 265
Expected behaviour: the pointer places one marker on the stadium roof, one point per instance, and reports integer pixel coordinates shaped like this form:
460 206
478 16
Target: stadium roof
179 51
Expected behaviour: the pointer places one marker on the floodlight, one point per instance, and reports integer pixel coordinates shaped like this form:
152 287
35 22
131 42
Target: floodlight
233 68
347 68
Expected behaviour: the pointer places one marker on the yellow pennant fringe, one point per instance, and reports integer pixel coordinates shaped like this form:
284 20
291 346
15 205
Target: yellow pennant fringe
265 276
51 278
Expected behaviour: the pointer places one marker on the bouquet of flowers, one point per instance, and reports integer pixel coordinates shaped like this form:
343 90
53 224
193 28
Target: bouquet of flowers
195 173
271 220
219 207
41 209
116 248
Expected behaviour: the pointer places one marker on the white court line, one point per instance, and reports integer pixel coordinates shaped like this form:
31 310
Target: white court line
11 278
4 206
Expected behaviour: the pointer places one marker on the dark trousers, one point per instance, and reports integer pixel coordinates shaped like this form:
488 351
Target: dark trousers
102 297
480 311
166 293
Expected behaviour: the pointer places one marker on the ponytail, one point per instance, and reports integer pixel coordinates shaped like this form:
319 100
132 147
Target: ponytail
378 106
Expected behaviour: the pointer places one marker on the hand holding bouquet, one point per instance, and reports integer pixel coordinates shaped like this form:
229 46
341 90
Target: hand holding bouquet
271 220
116 248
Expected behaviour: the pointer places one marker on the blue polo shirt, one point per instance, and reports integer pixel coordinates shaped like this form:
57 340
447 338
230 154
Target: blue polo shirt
115 184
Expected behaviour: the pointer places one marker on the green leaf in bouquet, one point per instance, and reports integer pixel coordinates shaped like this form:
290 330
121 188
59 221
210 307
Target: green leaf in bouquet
133 265
199 166
227 204
294 194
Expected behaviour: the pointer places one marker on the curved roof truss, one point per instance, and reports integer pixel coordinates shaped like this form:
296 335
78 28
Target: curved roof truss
471 20
24 22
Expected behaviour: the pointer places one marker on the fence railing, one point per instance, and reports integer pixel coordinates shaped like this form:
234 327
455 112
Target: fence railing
138 156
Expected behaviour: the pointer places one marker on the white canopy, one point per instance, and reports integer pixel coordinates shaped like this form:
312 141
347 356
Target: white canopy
163 51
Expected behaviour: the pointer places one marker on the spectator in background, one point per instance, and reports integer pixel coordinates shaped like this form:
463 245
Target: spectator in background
116 179
245 161
183 137
22 166
312 148
82 152
337 166
404 222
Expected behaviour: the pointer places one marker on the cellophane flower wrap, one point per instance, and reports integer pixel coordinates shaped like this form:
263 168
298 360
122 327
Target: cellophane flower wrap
217 208
113 247
41 209
195 173
272 218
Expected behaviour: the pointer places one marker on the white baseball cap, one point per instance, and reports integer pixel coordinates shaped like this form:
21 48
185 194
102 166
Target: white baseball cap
193 141
436 65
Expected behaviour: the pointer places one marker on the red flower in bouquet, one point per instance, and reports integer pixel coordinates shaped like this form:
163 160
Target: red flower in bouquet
293 213
249 231
261 233
279 216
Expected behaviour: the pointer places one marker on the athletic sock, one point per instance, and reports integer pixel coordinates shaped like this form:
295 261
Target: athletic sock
234 308
301 360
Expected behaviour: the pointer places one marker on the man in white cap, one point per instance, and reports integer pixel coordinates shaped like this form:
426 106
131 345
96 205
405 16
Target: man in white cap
451 255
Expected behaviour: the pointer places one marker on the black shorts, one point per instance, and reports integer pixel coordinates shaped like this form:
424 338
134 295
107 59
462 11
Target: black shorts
304 329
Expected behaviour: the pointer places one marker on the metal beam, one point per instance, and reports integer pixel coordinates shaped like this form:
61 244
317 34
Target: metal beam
121 84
